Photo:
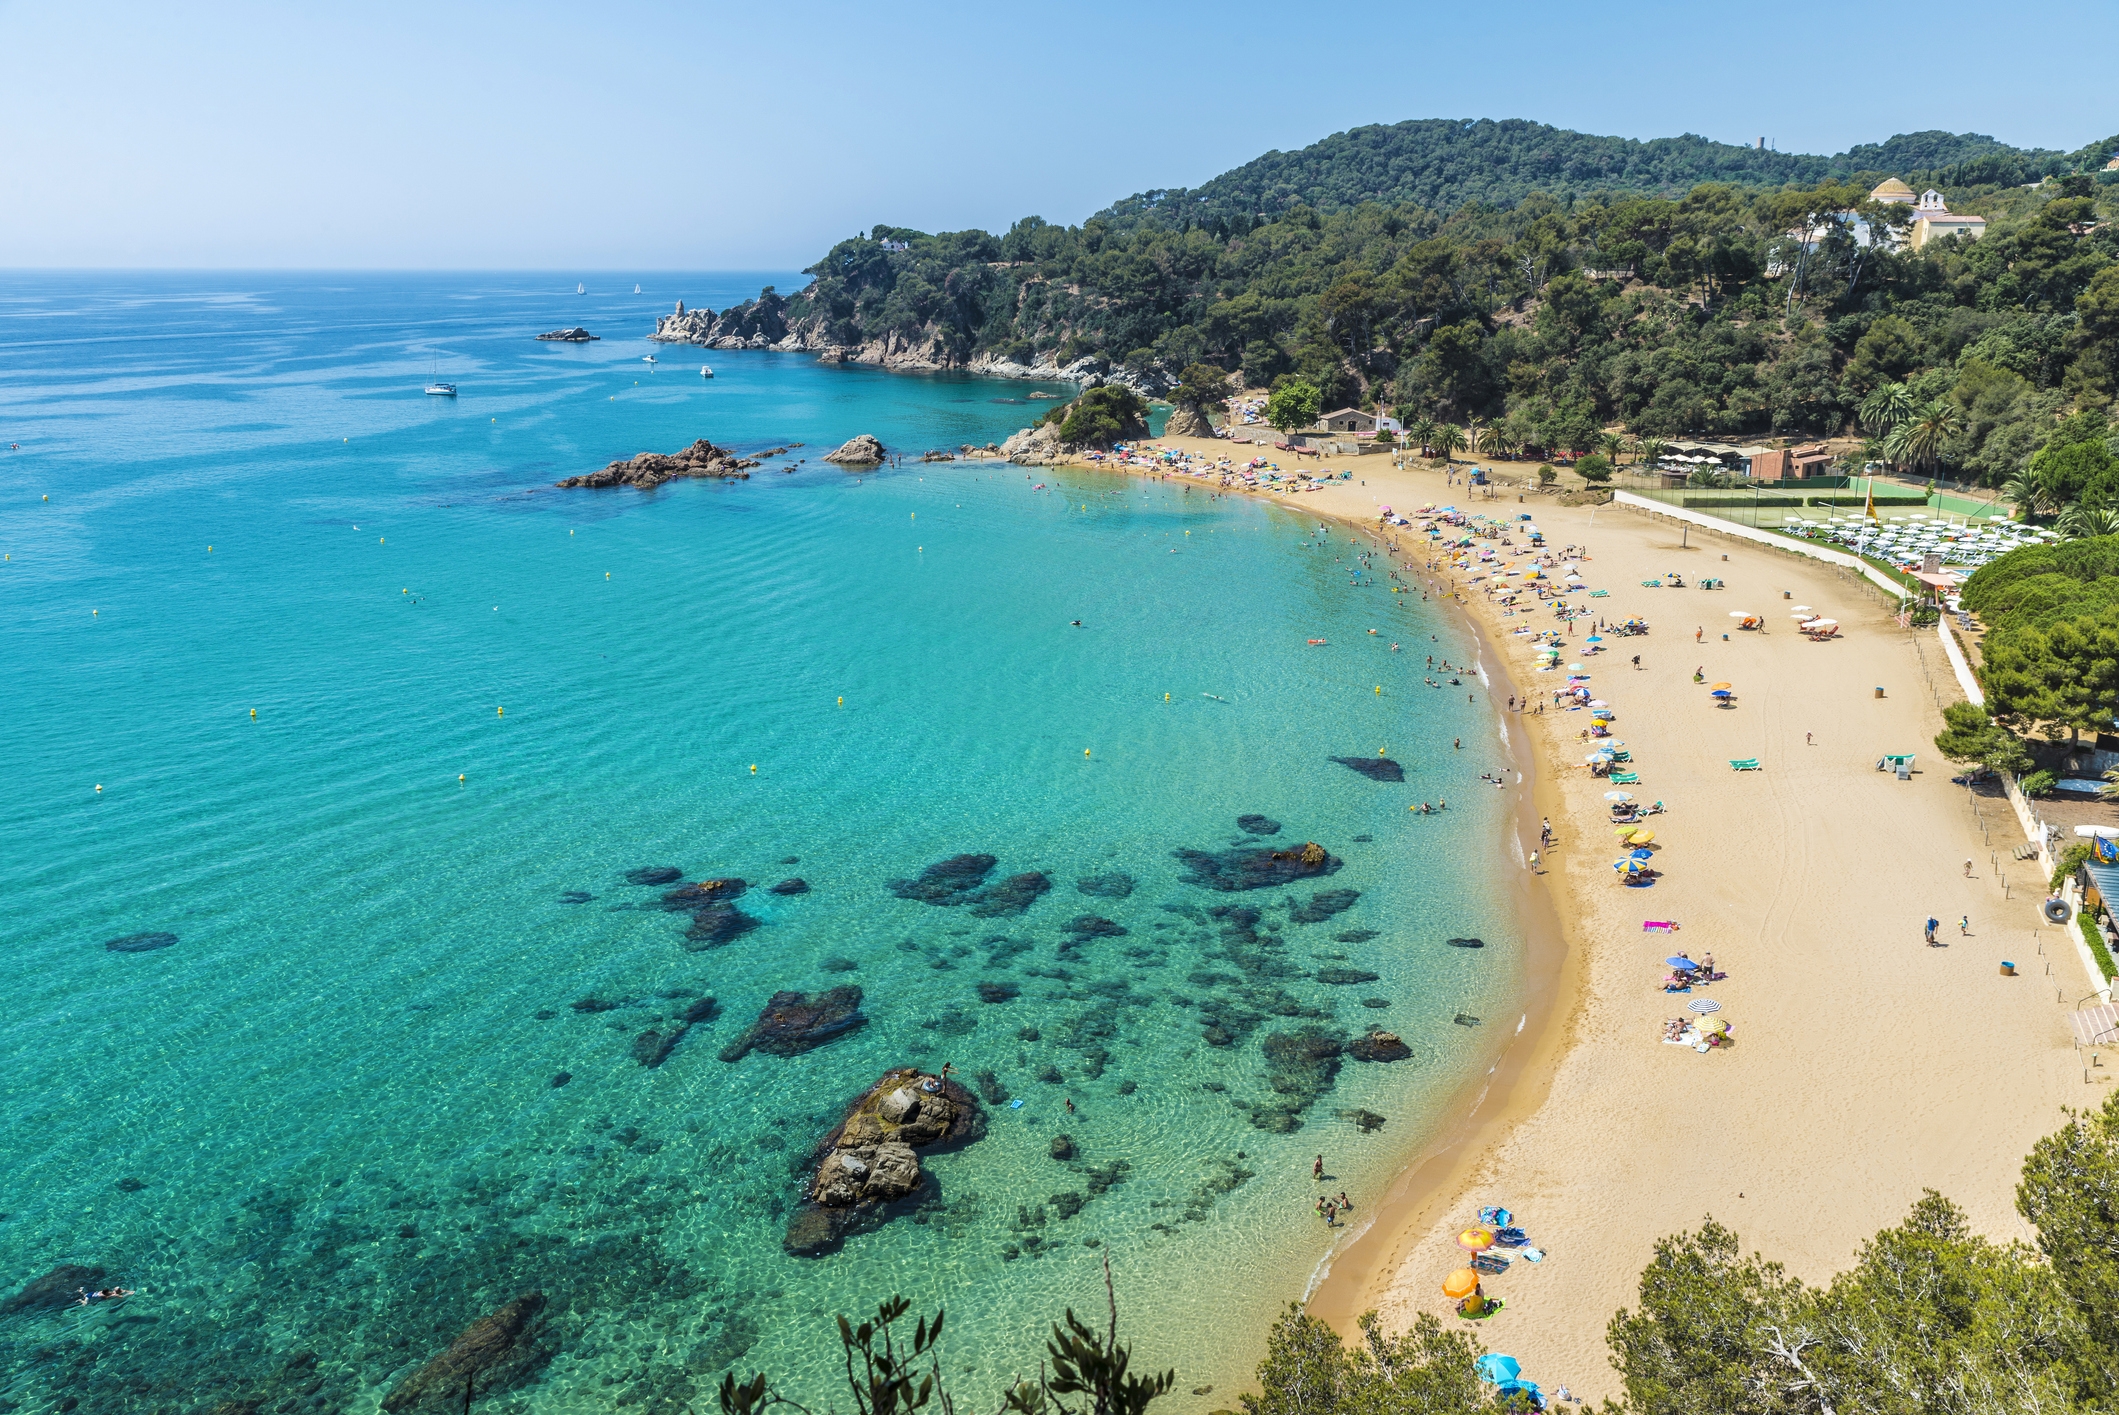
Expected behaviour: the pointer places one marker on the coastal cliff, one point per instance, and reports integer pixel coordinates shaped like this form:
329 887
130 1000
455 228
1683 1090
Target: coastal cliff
772 321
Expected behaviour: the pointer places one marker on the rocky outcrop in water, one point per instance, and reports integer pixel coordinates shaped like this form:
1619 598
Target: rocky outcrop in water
1038 446
496 1352
861 451
576 335
868 1165
1252 868
1379 1046
652 469
792 1023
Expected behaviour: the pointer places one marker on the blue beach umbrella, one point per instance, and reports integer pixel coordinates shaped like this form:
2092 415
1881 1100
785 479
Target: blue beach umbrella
1495 1367
1644 853
1681 963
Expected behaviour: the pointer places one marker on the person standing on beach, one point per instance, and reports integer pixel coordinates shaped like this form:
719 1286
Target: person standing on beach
1699 635
1931 942
1317 1169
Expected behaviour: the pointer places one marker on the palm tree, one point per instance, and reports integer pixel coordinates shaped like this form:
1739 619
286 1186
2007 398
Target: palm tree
2027 495
2078 522
1422 431
1647 452
1611 444
1491 440
2110 790
1448 440
1885 408
1707 476
1919 438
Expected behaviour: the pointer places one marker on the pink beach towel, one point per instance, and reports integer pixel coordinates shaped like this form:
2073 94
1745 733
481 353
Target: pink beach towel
1659 925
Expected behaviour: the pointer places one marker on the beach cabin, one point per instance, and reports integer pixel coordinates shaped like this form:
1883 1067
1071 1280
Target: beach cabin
1348 420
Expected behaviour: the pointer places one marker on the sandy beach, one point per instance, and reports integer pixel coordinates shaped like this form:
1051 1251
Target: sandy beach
1867 1066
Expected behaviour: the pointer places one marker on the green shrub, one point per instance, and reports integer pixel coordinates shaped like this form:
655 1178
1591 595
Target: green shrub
1546 475
2094 937
2039 783
1103 416
1595 468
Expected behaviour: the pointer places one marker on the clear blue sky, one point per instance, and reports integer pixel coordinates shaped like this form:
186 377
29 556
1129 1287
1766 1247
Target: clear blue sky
701 135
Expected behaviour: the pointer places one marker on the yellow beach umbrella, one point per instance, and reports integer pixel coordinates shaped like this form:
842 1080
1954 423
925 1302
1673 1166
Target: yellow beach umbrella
1478 1240
1640 837
1717 687
1461 1283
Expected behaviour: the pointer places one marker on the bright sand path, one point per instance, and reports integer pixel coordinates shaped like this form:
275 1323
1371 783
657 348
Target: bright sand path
1867 1068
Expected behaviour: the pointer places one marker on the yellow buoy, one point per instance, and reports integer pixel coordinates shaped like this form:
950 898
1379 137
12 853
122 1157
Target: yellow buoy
1085 751
606 574
99 788
459 778
378 540
500 712
842 700
1379 690
253 714
405 591
753 768
209 550
47 497
1166 697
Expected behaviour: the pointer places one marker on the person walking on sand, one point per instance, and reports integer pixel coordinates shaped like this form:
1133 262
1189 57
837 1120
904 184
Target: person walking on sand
1964 926
1699 635
1534 862
1968 868
1317 1169
1932 923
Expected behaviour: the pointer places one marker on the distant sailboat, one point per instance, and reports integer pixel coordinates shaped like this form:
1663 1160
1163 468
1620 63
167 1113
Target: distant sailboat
436 387
580 289
636 289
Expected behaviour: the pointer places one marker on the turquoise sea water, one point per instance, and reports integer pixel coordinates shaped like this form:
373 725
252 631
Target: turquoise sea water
324 1121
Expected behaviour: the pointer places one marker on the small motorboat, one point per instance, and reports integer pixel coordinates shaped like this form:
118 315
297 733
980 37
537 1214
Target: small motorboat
442 390
705 372
647 358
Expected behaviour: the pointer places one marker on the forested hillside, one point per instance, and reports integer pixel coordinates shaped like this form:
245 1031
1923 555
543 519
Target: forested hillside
1444 163
1728 309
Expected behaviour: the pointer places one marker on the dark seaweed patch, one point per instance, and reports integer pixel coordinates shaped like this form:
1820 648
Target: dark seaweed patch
1341 976
1354 936
840 965
946 882
141 943
1368 1121
1300 1067
654 874
1093 926
998 992
1465 943
1116 885
577 896
597 1004
792 1023
1376 1002
1323 905
1374 768
1258 825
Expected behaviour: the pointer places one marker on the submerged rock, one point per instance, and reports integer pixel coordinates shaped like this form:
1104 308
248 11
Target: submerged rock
797 885
57 1289
1093 926
706 891
946 882
792 1023
1011 896
998 992
867 1166
1465 943
1354 936
654 874
1255 868
577 896
1374 768
1062 1147
1323 905
494 1353
717 926
651 1048
1116 885
1379 1046
1368 1121
141 943
1341 976
1258 825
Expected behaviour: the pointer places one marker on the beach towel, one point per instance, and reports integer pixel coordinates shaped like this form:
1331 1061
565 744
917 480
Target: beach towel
1658 925
1534 1255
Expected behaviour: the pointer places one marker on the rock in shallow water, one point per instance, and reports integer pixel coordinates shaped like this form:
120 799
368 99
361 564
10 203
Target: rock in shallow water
792 1023
1093 926
141 943
1116 885
494 1353
1379 1046
1374 768
1323 905
1255 868
1258 825
946 882
866 1168
654 874
1343 976
797 885
717 926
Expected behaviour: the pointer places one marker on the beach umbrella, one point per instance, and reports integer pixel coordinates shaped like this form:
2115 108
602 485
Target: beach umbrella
1641 837
1641 854
1739 614
1598 702
1461 1283
1574 668
1477 1239
1495 1368
1618 795
1596 638
1717 1026
1721 693
1717 687
1685 963
1703 1006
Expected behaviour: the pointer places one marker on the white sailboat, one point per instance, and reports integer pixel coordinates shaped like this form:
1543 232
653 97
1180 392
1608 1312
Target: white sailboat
580 288
636 289
435 387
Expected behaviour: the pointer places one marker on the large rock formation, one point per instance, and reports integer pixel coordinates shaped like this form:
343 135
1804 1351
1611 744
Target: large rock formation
867 1165
652 469
861 451
1187 421
576 335
1035 447
495 1352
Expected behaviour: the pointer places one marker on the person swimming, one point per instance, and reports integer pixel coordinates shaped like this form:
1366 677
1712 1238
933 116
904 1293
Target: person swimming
105 1294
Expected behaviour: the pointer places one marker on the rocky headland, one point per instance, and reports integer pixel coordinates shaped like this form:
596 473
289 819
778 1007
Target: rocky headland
867 1167
652 469
764 323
